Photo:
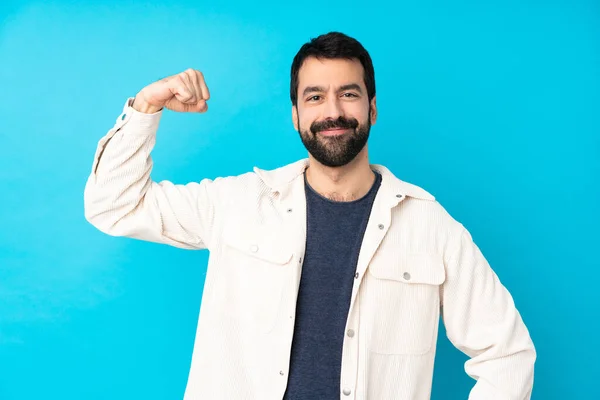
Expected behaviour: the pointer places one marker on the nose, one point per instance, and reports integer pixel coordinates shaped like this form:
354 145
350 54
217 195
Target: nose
332 109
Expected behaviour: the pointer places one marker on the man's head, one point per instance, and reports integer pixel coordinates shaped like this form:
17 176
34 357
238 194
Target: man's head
333 97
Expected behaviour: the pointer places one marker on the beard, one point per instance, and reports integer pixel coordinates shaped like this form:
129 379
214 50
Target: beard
338 150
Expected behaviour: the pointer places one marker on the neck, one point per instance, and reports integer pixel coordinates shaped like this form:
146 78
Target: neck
346 183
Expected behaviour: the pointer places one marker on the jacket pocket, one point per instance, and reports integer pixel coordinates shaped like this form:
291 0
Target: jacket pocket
258 267
402 303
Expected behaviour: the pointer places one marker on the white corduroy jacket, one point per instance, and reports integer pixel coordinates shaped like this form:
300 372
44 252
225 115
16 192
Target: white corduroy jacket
416 264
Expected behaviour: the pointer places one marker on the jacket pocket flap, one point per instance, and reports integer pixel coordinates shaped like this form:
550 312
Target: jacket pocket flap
261 244
427 268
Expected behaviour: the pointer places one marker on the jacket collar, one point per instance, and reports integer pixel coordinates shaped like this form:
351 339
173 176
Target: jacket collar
278 179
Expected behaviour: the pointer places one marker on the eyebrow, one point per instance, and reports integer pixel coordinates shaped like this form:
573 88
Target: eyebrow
350 86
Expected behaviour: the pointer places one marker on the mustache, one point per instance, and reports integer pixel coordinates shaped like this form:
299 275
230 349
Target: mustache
340 122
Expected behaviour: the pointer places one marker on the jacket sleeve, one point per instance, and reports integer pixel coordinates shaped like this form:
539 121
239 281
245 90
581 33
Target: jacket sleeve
481 321
120 198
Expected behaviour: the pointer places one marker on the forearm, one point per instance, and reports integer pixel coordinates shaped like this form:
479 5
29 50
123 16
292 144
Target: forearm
121 170
482 321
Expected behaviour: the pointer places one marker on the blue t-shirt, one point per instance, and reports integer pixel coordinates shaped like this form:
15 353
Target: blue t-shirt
335 232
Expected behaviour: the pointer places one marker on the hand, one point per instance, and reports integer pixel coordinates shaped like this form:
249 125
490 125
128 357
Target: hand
184 92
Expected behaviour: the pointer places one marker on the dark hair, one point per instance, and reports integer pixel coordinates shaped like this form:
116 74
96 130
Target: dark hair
333 45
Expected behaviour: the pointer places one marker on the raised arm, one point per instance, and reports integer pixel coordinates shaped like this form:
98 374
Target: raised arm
120 197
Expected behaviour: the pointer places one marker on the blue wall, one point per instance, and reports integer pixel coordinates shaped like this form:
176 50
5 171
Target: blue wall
493 108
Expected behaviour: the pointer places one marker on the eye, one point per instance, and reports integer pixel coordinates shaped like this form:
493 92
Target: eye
350 95
314 98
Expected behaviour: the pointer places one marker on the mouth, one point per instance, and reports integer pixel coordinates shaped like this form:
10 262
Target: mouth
334 132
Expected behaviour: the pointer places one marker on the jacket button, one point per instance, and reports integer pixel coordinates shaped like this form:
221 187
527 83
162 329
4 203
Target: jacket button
254 248
381 226
407 276
346 392
350 333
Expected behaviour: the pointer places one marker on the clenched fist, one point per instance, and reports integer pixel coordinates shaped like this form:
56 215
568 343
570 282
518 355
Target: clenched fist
184 92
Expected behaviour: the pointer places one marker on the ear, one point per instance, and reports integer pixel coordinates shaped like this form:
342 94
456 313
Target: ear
295 117
373 110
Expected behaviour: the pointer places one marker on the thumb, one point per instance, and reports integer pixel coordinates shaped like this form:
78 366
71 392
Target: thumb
199 107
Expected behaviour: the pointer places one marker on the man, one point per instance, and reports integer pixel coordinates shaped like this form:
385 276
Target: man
326 277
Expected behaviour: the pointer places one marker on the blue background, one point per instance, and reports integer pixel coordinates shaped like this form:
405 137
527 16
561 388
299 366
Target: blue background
494 108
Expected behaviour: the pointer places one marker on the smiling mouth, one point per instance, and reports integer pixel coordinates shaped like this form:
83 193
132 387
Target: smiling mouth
334 132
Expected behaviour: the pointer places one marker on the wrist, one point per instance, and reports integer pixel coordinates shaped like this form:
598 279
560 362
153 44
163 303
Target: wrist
141 105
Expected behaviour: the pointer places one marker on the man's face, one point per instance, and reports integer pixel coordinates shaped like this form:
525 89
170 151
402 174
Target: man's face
333 115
